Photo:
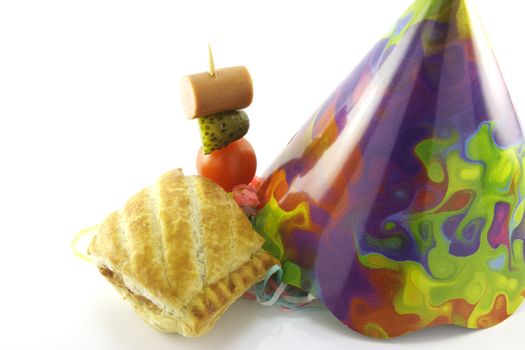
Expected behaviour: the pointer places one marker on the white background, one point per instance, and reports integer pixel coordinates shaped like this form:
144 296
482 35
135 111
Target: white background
90 113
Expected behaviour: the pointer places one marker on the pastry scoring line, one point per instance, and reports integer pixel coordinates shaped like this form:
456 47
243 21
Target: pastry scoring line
196 221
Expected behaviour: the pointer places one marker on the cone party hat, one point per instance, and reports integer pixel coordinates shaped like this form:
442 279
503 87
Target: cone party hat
400 203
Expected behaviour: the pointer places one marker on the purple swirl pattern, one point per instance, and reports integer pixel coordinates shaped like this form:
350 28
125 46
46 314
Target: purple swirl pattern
400 203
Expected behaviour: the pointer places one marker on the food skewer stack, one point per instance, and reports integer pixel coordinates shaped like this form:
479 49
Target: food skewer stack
217 99
210 253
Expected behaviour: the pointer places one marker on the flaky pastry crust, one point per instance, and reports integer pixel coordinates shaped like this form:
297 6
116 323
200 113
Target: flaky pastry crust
181 252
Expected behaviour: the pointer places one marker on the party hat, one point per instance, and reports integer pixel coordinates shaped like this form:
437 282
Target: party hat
400 203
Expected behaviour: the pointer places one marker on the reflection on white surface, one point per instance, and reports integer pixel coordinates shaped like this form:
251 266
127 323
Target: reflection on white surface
248 325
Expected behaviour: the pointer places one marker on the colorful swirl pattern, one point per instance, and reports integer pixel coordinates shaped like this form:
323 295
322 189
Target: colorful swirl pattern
400 203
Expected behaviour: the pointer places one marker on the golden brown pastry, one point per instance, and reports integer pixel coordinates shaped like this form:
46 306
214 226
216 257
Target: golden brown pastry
181 252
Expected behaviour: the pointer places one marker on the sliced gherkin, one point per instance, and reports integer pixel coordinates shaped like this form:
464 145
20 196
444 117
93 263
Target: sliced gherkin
221 129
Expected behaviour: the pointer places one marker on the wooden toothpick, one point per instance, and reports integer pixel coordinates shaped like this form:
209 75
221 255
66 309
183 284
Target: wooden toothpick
212 64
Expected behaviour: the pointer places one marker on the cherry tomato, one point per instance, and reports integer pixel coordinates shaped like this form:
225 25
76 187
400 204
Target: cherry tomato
229 166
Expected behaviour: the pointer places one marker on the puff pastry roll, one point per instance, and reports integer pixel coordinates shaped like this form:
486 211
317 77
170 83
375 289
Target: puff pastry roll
181 252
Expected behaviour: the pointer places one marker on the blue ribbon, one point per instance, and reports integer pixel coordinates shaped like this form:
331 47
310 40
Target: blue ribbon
284 296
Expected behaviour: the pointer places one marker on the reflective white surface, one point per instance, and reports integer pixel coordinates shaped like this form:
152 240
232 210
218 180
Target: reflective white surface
90 113
248 325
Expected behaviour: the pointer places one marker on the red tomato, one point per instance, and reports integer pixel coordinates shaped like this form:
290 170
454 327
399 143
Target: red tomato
229 166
